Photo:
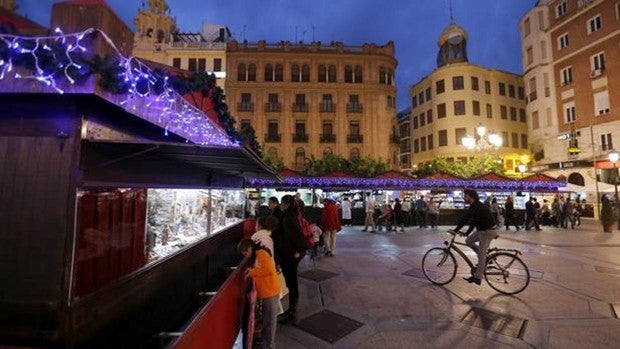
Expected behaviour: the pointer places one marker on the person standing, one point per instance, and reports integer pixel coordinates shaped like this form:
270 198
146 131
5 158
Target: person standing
509 214
567 213
398 216
421 209
433 212
478 216
291 247
556 213
276 212
495 210
301 205
530 212
370 213
406 209
345 206
331 225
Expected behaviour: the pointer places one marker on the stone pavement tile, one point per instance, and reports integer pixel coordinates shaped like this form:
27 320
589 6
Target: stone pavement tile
597 285
602 309
328 325
591 334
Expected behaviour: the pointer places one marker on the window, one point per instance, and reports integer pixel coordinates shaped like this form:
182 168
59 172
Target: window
300 156
515 139
601 103
606 142
597 63
543 50
443 138
328 127
176 62
300 103
511 91
422 119
458 83
502 89
423 144
566 75
192 64
272 103
272 128
252 72
563 41
440 87
331 73
533 95
503 112
523 141
429 116
305 73
535 120
322 73
414 102
202 64
474 83
415 122
429 139
526 27
459 107
295 73
217 64
416 146
522 115
269 76
487 87
428 94
421 98
560 10
476 107
594 24
441 110
505 139
541 20
390 77
246 102
348 74
354 153
357 76
513 114
529 55
300 127
354 127
489 111
459 134
382 76
569 112
521 92
390 102
327 105
279 74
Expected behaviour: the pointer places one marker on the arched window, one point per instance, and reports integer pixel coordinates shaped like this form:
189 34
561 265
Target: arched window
252 72
279 75
382 76
300 156
322 73
327 151
295 73
354 154
241 72
348 74
331 74
358 75
305 73
576 178
273 152
390 77
269 72
160 36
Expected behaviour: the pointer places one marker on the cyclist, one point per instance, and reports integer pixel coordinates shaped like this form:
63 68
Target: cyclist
478 216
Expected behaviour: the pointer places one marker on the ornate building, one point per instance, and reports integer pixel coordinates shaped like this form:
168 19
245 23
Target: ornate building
307 100
10 5
158 39
572 79
451 101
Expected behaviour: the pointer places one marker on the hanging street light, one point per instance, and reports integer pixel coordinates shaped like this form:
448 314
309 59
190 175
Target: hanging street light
486 140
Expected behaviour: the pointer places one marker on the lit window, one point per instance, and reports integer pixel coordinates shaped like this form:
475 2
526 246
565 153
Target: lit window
567 75
594 24
601 103
563 41
569 112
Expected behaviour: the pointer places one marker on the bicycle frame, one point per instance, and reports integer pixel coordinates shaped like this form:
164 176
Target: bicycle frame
451 245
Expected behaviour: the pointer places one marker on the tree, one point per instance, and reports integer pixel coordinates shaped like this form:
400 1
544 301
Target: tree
367 166
478 165
329 163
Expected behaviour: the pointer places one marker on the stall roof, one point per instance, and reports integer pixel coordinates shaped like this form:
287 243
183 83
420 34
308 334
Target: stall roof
393 174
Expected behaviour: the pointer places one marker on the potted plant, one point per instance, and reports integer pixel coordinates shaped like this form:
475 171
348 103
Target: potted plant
608 215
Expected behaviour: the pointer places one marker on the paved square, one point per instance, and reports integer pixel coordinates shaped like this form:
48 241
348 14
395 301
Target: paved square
317 275
329 326
507 325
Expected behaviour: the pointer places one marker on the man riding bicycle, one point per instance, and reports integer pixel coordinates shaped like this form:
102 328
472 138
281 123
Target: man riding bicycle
478 216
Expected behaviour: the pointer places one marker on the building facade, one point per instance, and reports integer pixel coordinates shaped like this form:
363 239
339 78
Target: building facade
454 99
308 100
572 79
158 39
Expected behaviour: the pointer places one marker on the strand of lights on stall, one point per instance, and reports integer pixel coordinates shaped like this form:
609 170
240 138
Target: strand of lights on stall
174 113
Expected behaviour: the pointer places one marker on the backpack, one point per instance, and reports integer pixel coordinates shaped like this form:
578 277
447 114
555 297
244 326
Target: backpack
306 230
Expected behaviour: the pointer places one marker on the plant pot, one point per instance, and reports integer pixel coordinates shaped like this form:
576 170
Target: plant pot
608 228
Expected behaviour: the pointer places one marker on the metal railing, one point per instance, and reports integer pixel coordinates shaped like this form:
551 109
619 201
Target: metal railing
273 137
300 107
273 107
245 106
357 138
300 137
328 138
327 107
354 108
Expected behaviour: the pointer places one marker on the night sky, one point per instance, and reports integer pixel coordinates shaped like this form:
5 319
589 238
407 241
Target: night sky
414 26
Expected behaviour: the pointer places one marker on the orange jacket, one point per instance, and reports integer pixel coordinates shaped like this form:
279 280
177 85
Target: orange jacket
265 275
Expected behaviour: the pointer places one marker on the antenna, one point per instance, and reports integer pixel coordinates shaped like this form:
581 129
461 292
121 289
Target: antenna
243 33
451 16
295 34
313 27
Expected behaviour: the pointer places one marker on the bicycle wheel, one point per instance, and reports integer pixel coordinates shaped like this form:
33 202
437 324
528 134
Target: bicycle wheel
439 266
506 273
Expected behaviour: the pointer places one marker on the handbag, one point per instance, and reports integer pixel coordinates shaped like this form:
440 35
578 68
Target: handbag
283 288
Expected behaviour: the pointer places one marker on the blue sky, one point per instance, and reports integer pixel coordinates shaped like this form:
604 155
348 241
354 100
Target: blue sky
413 25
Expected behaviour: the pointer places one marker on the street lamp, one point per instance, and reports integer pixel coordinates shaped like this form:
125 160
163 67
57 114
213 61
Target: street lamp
613 158
522 168
491 141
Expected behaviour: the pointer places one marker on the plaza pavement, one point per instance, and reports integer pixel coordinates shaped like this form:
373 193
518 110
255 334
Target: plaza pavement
568 304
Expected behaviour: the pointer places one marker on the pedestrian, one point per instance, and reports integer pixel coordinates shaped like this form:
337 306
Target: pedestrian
421 209
399 220
567 213
509 214
477 216
276 212
263 272
317 235
406 210
530 214
330 224
345 206
384 220
433 212
556 213
370 213
494 207
264 228
291 247
301 205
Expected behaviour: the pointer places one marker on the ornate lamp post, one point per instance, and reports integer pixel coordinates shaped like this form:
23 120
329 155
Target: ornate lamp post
486 140
613 158
522 168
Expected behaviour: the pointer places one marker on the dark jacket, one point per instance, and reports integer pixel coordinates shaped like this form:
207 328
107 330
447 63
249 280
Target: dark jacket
478 216
290 238
509 209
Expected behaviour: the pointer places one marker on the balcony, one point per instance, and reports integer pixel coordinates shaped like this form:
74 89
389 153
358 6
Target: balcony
354 108
273 107
300 138
328 138
300 107
583 3
355 138
273 138
327 107
533 96
245 107
395 138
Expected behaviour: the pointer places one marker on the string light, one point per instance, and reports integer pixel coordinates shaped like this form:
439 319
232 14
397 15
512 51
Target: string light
162 106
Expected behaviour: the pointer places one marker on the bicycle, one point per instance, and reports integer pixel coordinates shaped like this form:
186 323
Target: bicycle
439 266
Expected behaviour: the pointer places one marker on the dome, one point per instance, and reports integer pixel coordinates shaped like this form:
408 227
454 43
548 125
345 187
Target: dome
452 45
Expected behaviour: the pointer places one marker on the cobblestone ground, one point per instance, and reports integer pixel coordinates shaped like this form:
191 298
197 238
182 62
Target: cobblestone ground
573 300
